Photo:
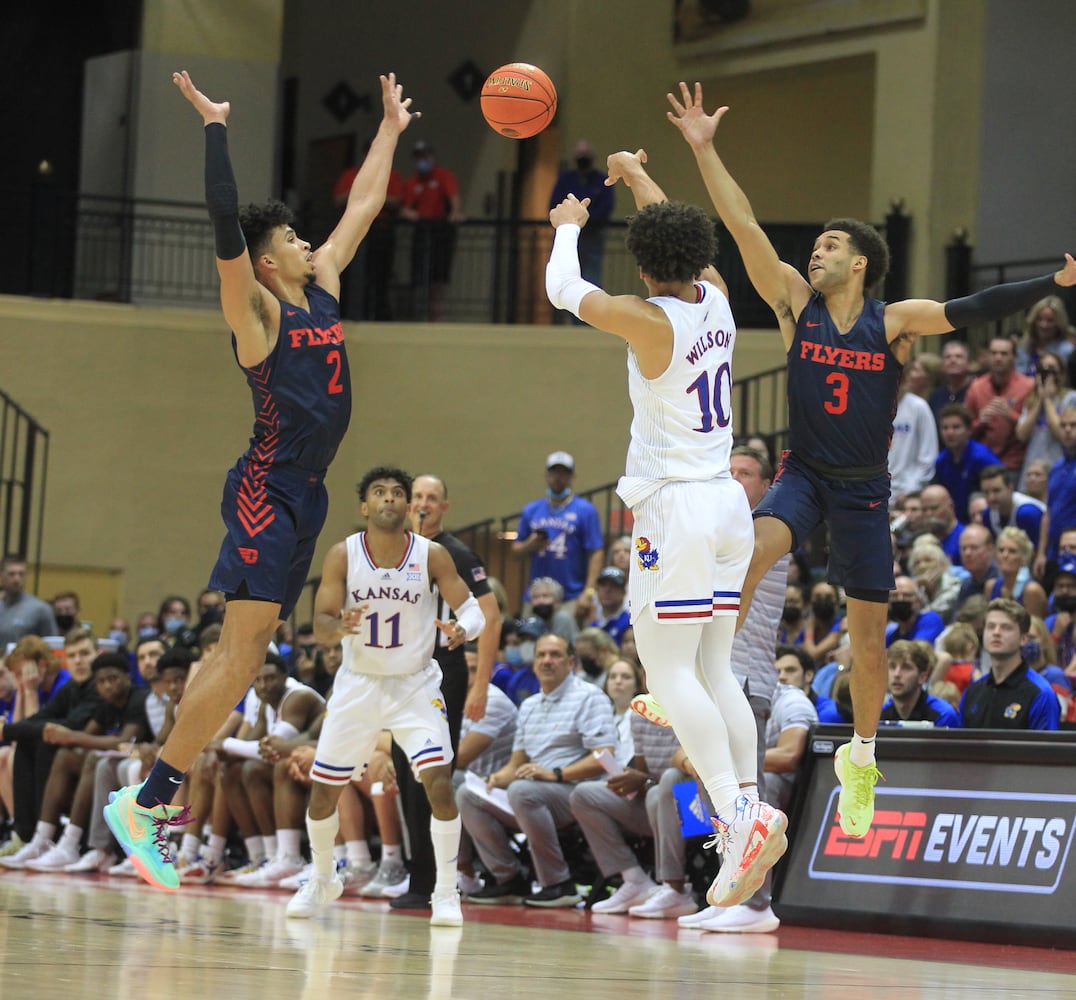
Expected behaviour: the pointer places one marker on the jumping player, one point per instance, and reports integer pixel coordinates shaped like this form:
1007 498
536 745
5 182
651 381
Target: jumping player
376 596
846 353
281 302
692 533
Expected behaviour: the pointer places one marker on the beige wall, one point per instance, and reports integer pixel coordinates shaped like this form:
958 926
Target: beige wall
146 411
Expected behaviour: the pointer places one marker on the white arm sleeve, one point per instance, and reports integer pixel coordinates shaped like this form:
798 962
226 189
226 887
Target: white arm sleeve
563 283
470 617
285 730
242 748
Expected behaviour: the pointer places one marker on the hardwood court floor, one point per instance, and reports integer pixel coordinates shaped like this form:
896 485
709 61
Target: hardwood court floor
69 937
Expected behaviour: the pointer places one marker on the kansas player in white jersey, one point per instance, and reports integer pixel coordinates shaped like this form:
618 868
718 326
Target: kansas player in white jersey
692 536
376 598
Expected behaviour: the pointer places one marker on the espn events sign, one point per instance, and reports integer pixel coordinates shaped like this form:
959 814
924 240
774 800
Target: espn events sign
960 839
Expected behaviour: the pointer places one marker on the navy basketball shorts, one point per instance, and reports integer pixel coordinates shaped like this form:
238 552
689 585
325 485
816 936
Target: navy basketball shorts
856 513
273 517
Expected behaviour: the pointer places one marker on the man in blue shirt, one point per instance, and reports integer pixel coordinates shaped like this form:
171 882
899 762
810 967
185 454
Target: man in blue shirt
909 621
562 533
1006 507
1011 695
962 460
909 668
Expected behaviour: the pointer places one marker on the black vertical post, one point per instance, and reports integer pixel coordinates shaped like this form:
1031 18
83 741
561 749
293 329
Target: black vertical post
898 228
958 266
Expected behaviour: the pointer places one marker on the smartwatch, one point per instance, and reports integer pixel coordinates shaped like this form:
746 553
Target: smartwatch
558 774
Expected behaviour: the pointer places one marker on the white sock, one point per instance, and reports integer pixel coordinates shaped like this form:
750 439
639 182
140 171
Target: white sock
72 836
635 876
339 853
290 842
214 851
322 834
255 848
269 845
391 852
44 831
862 752
188 847
358 852
207 831
445 836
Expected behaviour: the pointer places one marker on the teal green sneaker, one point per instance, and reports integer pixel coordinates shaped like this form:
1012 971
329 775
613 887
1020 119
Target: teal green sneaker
855 804
143 834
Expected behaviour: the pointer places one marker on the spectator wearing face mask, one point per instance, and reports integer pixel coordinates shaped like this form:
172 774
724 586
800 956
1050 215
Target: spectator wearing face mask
790 630
1060 623
547 603
67 609
908 619
514 674
174 622
584 180
596 653
823 630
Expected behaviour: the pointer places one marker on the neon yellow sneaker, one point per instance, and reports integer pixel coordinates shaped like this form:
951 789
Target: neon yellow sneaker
644 705
143 834
855 804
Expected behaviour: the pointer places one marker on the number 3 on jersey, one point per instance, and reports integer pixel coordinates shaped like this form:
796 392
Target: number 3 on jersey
839 383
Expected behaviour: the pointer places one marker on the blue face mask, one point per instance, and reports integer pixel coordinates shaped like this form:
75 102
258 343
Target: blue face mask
422 165
147 632
563 494
513 655
1031 651
173 625
119 637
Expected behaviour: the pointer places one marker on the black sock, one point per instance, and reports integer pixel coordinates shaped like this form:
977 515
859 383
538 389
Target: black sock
161 785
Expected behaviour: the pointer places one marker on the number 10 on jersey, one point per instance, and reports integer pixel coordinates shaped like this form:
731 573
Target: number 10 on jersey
715 410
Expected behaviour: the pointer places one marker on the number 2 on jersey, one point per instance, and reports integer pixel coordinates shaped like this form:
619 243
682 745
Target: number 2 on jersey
839 402
720 406
335 387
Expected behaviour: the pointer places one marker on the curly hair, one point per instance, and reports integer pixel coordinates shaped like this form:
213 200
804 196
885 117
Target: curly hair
672 241
866 240
259 222
385 472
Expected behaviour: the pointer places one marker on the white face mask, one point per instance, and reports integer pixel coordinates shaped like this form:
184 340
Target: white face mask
528 651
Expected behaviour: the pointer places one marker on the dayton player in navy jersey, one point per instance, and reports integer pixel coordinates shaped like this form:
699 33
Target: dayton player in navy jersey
281 301
692 530
845 356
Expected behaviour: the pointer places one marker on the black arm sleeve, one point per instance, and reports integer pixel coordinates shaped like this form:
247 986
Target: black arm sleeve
221 195
999 301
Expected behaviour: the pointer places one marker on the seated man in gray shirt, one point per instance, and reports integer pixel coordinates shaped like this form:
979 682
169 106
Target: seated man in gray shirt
557 732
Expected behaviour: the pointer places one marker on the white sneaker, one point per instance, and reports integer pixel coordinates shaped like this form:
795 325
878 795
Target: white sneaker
693 920
665 904
199 872
56 859
124 869
397 888
750 844
30 852
316 893
92 862
299 879
467 884
232 876
446 908
742 920
269 875
356 874
628 895
389 875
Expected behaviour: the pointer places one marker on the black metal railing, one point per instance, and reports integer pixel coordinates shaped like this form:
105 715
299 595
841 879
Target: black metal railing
114 249
24 456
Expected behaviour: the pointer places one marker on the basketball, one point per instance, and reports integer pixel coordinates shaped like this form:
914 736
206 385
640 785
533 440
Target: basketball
518 100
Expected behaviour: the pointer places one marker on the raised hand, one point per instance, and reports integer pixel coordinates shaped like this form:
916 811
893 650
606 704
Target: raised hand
397 108
211 111
1067 275
688 116
570 210
624 166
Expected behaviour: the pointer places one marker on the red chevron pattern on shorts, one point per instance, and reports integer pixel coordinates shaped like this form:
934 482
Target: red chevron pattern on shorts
254 510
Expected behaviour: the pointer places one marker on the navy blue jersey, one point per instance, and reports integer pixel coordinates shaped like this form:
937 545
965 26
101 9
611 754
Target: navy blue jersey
302 390
842 389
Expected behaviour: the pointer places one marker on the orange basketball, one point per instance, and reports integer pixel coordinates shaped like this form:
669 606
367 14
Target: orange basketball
518 100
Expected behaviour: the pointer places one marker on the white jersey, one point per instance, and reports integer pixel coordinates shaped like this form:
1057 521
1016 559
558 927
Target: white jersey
398 627
682 424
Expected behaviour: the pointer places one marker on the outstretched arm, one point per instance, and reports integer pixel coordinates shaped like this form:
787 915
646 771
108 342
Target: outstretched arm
250 310
640 323
782 286
368 190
